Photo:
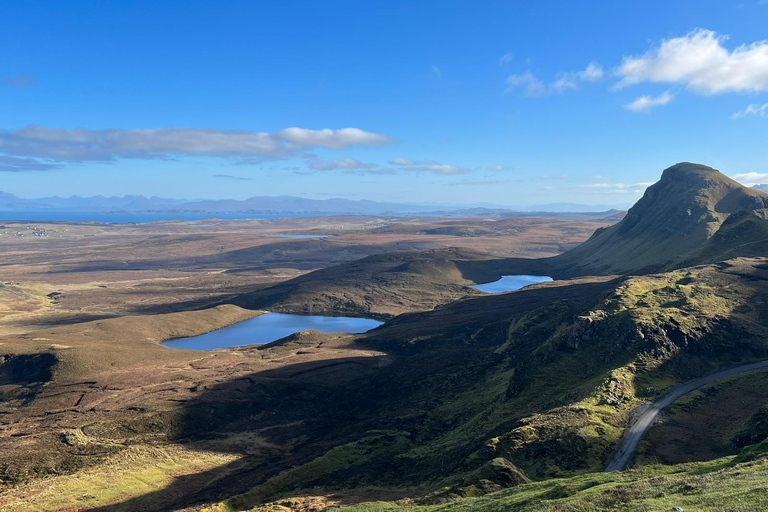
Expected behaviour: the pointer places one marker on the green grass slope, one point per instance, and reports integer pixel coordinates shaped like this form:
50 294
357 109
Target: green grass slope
714 486
490 392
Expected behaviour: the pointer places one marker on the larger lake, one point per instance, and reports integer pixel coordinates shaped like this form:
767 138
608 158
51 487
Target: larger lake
270 327
510 283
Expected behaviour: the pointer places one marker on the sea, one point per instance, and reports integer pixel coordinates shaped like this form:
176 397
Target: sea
132 217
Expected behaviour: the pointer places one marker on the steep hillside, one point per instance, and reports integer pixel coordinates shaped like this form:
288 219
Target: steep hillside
743 234
675 217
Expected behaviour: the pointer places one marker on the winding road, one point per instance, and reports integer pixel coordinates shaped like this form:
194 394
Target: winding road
646 418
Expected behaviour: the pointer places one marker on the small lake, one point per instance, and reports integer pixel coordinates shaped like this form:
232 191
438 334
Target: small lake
270 327
510 283
301 236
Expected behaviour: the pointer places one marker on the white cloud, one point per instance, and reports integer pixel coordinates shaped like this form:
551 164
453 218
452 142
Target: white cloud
404 161
752 110
699 61
499 168
442 169
332 139
384 171
340 163
593 73
646 103
81 144
531 85
506 58
428 166
752 178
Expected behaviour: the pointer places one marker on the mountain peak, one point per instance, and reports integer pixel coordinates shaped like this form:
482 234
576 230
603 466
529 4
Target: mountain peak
686 170
697 175
675 216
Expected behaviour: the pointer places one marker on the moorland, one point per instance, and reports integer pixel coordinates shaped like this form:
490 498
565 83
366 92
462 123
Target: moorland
460 401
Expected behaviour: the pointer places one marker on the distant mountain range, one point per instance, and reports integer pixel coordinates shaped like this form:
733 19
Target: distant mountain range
272 205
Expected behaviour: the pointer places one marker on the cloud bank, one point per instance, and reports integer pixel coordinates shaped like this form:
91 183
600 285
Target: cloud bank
84 145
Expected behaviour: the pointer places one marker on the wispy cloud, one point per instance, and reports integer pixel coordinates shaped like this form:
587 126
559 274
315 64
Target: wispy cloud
407 161
646 103
700 62
591 74
506 58
530 85
231 177
499 168
478 182
379 172
340 163
752 110
84 145
428 166
554 177
571 80
436 71
15 164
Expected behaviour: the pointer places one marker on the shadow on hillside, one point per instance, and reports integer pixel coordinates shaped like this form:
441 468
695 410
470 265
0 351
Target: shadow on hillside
315 406
434 358
300 404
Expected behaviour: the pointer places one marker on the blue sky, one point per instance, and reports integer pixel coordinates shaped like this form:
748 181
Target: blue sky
509 103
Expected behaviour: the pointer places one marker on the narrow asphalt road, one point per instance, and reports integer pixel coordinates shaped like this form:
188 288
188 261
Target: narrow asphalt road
645 419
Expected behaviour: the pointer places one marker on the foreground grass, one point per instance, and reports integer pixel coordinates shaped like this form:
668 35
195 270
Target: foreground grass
703 487
135 471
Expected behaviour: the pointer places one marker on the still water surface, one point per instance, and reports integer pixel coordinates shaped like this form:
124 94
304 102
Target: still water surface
301 236
510 283
270 327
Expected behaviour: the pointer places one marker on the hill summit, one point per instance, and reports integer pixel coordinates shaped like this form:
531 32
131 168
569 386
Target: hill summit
675 217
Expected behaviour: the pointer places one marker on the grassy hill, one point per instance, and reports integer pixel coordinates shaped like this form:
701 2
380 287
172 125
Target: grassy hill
386 285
